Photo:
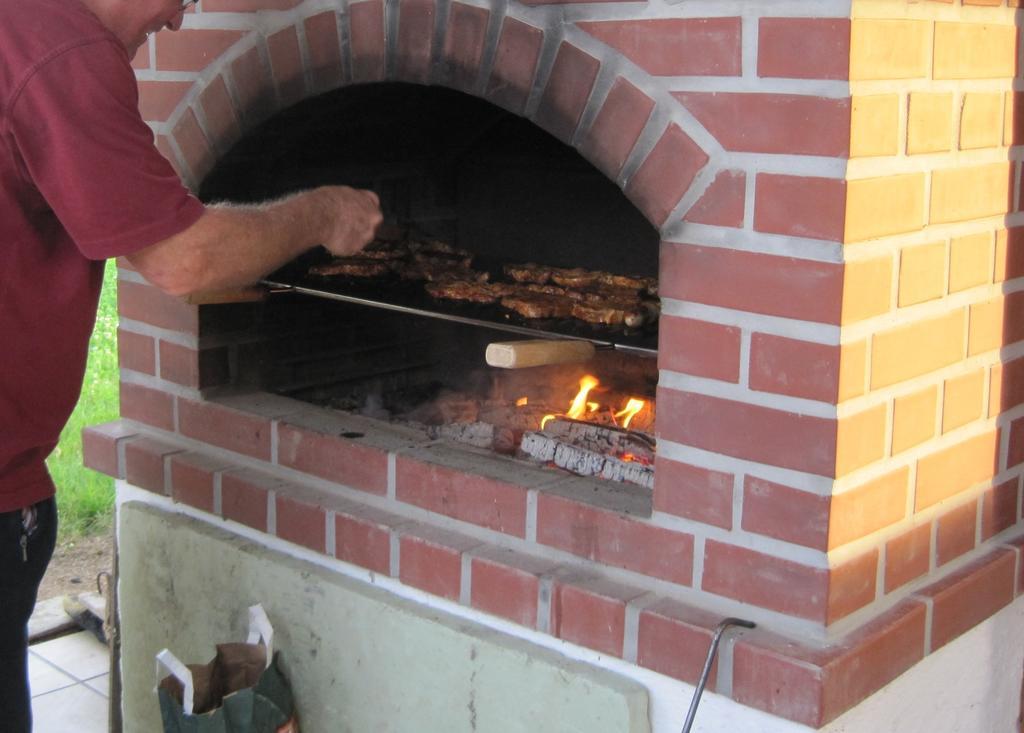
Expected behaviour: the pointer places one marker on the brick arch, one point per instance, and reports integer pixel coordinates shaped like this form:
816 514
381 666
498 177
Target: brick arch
615 125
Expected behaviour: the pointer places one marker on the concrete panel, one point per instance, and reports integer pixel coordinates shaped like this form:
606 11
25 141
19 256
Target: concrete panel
360 660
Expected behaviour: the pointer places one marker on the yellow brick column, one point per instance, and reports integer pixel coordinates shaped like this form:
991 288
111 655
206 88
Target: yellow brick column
930 232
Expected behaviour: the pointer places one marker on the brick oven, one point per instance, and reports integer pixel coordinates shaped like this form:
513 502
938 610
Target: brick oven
829 195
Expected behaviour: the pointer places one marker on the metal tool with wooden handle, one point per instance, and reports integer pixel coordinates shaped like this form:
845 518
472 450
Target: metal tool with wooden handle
537 352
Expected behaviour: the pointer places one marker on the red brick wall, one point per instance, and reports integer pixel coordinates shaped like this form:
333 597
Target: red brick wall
840 428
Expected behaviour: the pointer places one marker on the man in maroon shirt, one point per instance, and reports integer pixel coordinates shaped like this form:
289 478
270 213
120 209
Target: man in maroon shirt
80 181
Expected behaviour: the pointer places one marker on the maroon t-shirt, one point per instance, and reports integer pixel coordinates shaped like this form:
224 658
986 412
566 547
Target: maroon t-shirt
80 181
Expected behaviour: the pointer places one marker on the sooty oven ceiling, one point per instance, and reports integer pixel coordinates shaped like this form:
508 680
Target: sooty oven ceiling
450 166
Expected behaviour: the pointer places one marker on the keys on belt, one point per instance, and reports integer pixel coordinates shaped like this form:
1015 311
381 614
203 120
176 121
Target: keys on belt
29 526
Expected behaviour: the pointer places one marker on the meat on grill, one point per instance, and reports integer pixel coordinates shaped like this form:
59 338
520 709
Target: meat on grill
352 267
576 277
602 293
631 282
436 247
538 305
433 270
528 273
385 251
474 292
536 291
550 290
610 313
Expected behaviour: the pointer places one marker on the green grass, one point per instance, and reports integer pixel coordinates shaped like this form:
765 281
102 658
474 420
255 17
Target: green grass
85 499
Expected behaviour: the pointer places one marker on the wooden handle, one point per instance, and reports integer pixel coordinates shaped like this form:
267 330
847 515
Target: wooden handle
250 294
539 352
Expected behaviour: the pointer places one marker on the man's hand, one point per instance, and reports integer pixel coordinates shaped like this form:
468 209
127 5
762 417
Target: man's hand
353 215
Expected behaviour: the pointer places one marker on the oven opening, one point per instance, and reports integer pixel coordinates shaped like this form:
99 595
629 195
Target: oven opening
476 200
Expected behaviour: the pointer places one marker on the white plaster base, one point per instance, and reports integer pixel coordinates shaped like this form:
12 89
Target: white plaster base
972 685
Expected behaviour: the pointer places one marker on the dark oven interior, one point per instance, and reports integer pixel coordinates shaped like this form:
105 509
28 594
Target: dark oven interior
454 168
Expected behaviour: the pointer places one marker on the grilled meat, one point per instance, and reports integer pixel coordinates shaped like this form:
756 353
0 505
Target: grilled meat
609 292
576 277
378 249
625 281
609 313
433 272
549 290
538 305
352 267
436 247
474 292
594 295
528 273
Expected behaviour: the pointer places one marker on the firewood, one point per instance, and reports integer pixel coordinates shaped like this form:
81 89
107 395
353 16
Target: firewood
583 462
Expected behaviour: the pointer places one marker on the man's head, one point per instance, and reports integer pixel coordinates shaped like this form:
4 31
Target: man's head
133 20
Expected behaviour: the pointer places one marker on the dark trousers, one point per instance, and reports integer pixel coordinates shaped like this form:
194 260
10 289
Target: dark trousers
21 570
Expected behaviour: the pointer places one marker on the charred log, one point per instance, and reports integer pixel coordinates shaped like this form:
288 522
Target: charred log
559 451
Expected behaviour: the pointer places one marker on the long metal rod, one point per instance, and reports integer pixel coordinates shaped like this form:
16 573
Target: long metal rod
409 310
725 624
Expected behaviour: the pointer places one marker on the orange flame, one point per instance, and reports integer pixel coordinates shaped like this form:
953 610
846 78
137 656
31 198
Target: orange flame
522 401
630 410
579 406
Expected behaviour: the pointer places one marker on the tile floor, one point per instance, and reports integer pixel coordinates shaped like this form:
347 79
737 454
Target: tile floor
69 677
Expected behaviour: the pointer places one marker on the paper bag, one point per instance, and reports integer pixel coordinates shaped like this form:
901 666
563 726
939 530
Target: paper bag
241 690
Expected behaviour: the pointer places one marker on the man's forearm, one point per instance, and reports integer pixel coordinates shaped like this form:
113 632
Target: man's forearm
238 244
233 245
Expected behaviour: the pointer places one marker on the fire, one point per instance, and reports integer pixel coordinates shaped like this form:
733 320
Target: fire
522 402
630 410
580 407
